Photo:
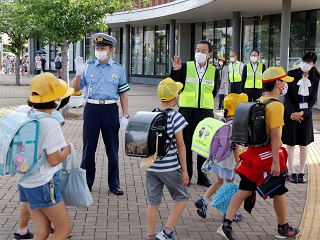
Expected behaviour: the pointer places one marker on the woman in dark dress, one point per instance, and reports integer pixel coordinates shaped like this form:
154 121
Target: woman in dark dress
298 102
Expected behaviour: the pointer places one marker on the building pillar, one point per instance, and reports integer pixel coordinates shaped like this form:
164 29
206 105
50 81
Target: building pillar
236 34
127 53
185 47
32 48
285 33
172 41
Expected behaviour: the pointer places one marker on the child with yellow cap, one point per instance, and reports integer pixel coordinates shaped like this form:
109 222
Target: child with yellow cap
168 171
41 191
224 169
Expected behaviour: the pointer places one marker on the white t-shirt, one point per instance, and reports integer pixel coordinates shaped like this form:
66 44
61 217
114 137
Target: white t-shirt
50 139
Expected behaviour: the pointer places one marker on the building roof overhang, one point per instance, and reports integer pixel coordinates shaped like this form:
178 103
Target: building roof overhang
192 11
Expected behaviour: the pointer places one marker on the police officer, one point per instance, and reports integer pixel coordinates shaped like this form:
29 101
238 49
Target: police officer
200 80
105 82
252 77
235 73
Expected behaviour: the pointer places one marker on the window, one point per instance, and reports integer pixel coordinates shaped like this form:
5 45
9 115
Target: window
262 34
162 50
137 50
149 43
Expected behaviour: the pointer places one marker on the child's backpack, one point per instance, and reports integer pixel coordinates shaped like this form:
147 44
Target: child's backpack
142 132
249 123
19 144
212 139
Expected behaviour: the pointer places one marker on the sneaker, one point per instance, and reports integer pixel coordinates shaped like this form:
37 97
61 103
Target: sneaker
289 232
294 178
163 236
202 208
237 218
225 233
302 178
28 235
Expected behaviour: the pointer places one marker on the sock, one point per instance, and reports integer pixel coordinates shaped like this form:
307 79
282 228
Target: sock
283 227
205 200
151 236
167 230
23 231
227 223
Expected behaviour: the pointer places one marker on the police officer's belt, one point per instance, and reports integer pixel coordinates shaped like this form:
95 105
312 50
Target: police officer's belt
101 101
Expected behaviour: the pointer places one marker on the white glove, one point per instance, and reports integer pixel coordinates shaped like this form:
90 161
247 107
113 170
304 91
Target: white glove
124 123
80 66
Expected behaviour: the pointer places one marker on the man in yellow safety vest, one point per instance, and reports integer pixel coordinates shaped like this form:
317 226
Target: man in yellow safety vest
196 100
252 77
235 73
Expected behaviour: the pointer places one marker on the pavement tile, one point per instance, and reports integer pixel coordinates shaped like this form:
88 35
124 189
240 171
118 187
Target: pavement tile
123 217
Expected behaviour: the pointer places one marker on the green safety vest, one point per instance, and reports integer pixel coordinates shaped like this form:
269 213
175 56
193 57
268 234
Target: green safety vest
203 135
196 93
254 79
234 73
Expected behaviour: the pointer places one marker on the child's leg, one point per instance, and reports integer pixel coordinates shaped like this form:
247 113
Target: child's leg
41 224
58 215
214 187
175 213
24 216
280 207
236 202
151 217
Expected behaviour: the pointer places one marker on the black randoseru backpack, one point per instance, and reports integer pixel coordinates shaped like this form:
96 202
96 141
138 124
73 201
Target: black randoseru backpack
249 124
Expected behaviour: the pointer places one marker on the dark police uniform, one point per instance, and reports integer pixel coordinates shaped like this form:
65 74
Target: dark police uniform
104 84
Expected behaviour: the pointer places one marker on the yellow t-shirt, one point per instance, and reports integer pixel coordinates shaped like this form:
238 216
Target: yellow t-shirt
274 115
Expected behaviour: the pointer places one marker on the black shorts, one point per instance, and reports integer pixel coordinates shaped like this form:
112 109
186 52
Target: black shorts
247 185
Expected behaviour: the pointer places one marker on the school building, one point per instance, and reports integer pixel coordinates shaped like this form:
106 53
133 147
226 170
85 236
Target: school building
282 30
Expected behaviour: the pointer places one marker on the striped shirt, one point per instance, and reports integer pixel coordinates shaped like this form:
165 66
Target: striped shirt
175 124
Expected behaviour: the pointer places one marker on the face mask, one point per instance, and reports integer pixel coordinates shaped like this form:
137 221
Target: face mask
305 67
220 63
254 59
232 59
57 102
101 55
200 57
284 90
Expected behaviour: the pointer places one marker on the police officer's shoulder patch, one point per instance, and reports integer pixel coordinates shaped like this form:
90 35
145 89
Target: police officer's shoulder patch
118 64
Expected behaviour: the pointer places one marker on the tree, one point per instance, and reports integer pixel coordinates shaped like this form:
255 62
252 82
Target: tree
15 23
59 21
67 21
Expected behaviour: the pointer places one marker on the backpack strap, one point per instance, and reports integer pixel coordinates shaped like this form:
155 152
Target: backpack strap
167 111
268 101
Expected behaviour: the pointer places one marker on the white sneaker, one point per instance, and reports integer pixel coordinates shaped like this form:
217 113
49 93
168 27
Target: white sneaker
163 236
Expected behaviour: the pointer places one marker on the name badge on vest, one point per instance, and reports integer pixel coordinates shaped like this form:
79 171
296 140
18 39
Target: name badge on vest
303 105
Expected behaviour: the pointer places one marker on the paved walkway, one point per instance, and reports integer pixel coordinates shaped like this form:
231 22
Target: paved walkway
123 217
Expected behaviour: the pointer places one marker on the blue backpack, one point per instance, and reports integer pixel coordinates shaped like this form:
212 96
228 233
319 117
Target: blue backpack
19 144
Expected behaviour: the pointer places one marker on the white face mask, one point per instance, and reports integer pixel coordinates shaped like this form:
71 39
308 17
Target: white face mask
284 90
232 59
220 63
101 55
200 57
254 59
305 67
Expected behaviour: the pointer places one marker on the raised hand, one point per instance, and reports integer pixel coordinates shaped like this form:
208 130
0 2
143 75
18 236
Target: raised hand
176 63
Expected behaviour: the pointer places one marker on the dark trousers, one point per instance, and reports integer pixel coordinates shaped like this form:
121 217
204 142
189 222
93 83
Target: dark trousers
221 98
193 121
235 87
105 118
253 93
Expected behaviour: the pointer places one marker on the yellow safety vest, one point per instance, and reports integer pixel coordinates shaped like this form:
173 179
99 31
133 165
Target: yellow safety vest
254 79
196 93
234 73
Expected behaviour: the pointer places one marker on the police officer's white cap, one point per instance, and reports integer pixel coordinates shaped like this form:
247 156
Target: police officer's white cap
102 39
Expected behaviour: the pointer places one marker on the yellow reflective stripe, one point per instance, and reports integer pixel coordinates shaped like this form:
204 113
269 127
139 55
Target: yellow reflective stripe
200 150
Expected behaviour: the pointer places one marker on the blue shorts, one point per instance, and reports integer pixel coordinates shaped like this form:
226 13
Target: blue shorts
43 196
